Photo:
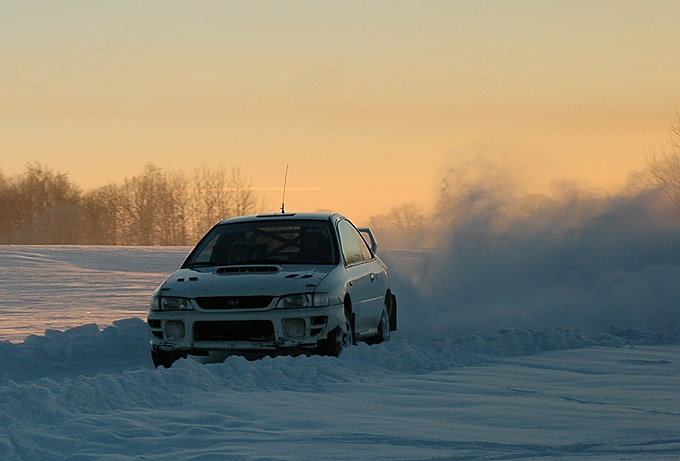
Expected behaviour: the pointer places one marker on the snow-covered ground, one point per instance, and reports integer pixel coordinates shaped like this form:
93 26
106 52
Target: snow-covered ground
70 389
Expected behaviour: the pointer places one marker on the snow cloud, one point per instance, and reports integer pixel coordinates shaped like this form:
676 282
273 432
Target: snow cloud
572 258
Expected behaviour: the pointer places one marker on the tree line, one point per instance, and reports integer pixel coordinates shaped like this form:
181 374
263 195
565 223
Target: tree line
160 207
156 207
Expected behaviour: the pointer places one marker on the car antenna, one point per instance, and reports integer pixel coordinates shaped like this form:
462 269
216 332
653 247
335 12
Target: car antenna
283 198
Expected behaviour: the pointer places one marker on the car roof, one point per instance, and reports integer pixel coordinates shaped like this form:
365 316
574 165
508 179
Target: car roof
306 216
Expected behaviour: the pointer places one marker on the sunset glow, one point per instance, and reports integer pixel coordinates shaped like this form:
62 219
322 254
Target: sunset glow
368 103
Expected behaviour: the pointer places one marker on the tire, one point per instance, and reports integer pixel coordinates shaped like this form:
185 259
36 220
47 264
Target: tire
165 358
393 312
337 340
383 329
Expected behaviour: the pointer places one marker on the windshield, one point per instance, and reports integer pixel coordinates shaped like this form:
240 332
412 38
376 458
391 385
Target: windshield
266 242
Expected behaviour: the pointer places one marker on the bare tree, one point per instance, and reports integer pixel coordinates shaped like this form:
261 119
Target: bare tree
403 226
8 210
408 219
174 210
665 167
101 210
209 200
157 207
242 197
60 224
215 196
141 207
38 197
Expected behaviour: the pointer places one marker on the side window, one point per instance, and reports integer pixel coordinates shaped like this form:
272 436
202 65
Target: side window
364 248
354 247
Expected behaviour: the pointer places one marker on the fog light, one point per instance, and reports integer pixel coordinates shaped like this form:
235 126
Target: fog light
174 329
294 328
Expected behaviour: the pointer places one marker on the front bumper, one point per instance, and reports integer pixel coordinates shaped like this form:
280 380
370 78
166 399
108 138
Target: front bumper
199 332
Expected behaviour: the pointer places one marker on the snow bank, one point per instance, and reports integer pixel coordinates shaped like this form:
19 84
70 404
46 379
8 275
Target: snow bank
83 350
88 393
89 351
596 403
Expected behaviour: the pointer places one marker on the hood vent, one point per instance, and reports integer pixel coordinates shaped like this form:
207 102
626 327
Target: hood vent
247 269
305 276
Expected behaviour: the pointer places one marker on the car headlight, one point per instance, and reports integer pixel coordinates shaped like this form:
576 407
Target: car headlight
170 303
302 300
321 299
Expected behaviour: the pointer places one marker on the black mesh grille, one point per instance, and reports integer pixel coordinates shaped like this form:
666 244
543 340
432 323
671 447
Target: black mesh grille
234 330
234 302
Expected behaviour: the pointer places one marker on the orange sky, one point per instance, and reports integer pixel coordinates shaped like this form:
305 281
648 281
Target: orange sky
368 102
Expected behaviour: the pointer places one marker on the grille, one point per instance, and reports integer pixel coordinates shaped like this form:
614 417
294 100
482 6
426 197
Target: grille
234 330
234 302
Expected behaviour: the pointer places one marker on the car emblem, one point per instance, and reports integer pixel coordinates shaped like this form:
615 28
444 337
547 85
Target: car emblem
233 302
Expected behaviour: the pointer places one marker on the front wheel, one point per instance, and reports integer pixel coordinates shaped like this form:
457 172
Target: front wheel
165 358
337 340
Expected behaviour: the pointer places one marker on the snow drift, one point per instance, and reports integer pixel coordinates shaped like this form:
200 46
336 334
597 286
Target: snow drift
88 393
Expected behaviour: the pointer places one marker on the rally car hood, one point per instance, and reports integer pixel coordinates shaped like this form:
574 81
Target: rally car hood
250 280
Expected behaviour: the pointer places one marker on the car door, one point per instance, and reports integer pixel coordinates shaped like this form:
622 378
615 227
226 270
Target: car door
366 278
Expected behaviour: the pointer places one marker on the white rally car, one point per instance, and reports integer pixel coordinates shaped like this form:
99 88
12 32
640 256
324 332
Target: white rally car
274 283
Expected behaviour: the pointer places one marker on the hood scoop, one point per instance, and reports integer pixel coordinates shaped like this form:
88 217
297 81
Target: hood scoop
227 270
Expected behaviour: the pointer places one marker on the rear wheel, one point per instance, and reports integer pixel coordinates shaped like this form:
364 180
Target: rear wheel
383 329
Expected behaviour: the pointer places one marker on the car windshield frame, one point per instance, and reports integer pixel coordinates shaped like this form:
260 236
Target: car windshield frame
290 241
